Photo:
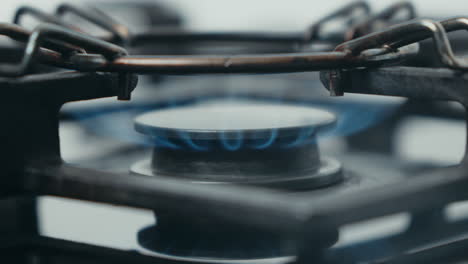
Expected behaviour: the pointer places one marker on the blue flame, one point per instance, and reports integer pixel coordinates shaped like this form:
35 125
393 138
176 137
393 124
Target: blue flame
270 140
353 117
305 136
117 122
232 144
188 140
164 142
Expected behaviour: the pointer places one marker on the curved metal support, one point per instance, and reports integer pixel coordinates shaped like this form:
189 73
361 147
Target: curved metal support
452 24
398 36
38 14
14 32
21 34
385 15
45 32
120 32
109 57
266 63
393 10
347 11
360 52
51 55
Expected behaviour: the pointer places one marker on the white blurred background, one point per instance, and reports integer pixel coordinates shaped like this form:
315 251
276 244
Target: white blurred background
258 14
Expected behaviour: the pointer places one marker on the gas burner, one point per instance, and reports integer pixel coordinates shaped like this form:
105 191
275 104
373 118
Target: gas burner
250 143
265 144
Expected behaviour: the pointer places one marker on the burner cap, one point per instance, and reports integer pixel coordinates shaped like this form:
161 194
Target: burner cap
228 120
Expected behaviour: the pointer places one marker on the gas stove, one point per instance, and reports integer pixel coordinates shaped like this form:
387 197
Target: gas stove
341 145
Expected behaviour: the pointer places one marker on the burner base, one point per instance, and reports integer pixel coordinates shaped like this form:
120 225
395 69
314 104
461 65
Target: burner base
329 173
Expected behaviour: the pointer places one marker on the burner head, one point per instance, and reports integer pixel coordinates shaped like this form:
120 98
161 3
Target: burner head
266 144
234 121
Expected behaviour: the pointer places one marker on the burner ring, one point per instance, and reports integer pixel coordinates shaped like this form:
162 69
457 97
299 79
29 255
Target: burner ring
329 173
226 120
